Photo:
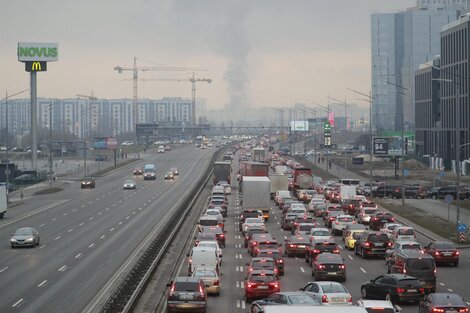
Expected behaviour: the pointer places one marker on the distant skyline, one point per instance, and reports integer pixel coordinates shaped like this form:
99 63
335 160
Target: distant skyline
267 53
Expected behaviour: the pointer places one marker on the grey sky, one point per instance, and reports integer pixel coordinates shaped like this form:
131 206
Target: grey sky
267 52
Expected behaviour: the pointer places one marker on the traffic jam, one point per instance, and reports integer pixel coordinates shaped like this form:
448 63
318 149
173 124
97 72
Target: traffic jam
274 216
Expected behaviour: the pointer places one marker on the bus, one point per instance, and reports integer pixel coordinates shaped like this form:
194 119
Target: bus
350 182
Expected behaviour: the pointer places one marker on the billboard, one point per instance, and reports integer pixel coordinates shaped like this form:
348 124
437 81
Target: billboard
105 143
388 146
38 51
300 126
331 118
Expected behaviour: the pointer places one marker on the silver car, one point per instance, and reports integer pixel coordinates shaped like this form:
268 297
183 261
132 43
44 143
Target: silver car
25 237
328 292
130 184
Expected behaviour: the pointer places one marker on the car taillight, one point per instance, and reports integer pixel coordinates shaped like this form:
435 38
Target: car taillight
249 285
332 218
421 290
336 251
462 310
337 223
367 244
172 290
275 285
324 299
316 251
457 253
437 310
389 244
216 282
201 291
250 269
392 220
280 261
222 235
190 260
374 219
255 243
291 246
350 299
437 253
321 266
342 267
400 290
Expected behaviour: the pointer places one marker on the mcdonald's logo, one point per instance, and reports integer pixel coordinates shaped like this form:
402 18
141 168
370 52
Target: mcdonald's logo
35 66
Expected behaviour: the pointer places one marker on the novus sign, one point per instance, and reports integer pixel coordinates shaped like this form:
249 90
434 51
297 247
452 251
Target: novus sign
36 51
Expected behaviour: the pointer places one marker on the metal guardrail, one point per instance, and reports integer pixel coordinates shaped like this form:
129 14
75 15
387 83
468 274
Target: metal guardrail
126 295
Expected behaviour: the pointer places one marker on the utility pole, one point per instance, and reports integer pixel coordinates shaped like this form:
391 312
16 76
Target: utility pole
50 145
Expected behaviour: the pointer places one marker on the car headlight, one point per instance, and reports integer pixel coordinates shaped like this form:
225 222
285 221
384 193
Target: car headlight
13 240
29 239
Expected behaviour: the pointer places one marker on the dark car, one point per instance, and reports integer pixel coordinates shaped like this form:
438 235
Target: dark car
276 255
329 266
433 192
285 298
262 264
350 206
296 245
378 219
391 191
219 233
288 220
250 232
443 302
301 219
443 252
320 246
330 218
372 243
255 239
452 190
415 192
260 284
87 182
138 171
187 294
394 288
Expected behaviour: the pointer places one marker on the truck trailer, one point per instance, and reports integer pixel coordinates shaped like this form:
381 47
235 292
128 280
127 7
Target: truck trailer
222 172
256 194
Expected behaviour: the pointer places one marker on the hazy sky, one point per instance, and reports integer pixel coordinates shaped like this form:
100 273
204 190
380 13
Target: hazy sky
266 52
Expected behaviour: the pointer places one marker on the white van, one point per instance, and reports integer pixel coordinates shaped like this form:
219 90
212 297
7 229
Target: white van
206 257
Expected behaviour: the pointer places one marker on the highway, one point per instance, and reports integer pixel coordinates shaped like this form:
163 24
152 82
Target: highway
298 273
87 234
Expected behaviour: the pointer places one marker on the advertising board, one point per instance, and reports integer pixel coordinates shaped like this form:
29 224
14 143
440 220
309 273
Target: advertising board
38 51
299 126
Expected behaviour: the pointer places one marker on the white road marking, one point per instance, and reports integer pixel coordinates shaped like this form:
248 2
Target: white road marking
302 269
140 208
90 202
81 224
398 307
102 237
340 246
43 246
107 209
350 257
58 237
243 305
65 214
285 237
82 206
133 212
91 218
240 256
441 284
114 204
3 269
17 303
237 284
111 229
145 204
119 223
91 246
54 219
127 217
236 268
26 256
363 270
242 285
238 304
97 199
468 303
70 230
42 225
63 268
450 290
241 268
78 256
279 223
99 213
74 210
42 284
275 217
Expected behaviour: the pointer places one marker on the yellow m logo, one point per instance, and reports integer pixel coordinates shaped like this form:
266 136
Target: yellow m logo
36 66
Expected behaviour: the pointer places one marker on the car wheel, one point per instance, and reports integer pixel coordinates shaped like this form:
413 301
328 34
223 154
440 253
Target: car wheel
38 241
254 309
12 246
388 297
363 293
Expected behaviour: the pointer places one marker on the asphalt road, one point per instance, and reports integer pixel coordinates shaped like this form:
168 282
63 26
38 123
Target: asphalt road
87 234
298 273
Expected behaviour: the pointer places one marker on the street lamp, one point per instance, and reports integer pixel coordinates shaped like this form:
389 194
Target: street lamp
7 171
346 127
327 117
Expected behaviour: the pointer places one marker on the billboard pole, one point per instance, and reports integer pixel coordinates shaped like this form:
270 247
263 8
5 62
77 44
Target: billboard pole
34 121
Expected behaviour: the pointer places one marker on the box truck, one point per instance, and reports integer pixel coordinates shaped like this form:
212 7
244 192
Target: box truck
256 194
278 182
222 171
3 200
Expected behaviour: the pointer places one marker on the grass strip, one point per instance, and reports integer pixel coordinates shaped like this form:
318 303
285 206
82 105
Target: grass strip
48 191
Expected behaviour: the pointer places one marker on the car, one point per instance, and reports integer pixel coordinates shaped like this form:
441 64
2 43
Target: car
247 213
415 192
378 219
161 149
328 292
288 220
276 255
169 175
260 284
174 170
87 182
444 252
350 227
211 244
263 263
25 237
372 243
394 288
401 245
364 214
401 233
391 191
464 193
320 234
218 231
205 237
129 184
389 227
350 206
296 245
252 231
317 247
187 293
443 302
378 306
210 278
340 223
303 228
253 222
329 266
318 210
302 219
331 217
352 237
138 171
255 239
296 298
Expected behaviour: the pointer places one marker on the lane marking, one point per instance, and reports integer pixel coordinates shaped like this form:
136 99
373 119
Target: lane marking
3 269
237 284
243 305
82 206
54 219
107 209
81 224
78 256
127 217
236 268
17 303
350 257
42 225
42 284
70 230
441 284
58 237
450 290
241 268
102 237
302 269
65 214
242 285
363 270
119 223
63 268
238 304
111 229
398 307
91 246
91 218
285 237
114 204
43 246
99 213
74 210
340 247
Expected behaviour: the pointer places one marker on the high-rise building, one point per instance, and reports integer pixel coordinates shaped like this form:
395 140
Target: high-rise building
400 42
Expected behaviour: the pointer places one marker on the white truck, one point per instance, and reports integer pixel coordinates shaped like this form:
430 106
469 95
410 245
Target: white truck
278 182
3 201
347 192
305 181
259 154
256 194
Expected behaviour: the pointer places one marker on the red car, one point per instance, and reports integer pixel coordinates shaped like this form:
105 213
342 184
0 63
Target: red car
261 284
255 238
443 252
262 264
276 255
296 245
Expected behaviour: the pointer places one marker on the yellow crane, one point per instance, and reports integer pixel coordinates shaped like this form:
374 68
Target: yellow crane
135 69
193 81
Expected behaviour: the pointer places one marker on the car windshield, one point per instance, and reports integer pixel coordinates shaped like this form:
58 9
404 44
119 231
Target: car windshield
420 264
446 298
409 282
411 246
333 288
262 278
24 232
378 237
263 264
301 299
406 232
320 233
305 227
369 211
345 219
269 254
129 182
380 310
186 286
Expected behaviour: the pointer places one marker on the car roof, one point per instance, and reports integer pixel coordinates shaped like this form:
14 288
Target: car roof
187 279
400 276
262 258
376 303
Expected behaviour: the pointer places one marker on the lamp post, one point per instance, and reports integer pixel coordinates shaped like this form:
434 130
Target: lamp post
346 127
327 116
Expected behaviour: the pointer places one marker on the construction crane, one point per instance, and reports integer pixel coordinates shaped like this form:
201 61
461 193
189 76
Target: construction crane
135 69
193 81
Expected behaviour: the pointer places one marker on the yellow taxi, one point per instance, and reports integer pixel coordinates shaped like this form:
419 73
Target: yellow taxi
351 237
